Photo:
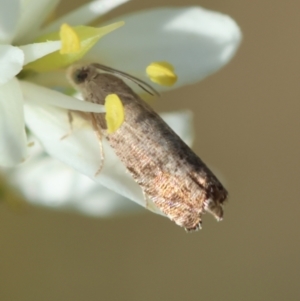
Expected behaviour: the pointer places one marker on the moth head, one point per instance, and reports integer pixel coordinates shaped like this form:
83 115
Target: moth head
79 74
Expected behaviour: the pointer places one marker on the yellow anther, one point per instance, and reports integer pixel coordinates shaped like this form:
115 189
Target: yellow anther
70 42
162 73
114 112
76 42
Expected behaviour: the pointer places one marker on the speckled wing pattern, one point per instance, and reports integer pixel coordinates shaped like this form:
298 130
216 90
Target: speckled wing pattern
167 170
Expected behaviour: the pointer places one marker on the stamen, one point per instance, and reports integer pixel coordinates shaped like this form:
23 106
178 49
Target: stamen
114 112
70 42
162 73
77 41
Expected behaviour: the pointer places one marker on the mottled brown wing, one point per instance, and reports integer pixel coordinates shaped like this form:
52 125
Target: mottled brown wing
167 170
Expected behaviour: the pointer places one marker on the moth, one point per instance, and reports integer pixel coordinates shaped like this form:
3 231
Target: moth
167 170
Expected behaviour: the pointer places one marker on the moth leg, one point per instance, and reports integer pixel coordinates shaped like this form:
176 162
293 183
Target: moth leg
83 115
195 228
98 133
149 203
70 119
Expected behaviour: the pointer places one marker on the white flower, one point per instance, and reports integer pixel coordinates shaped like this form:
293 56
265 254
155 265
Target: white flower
17 19
195 41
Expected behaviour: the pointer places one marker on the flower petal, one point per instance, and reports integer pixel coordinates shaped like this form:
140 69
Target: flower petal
39 96
11 62
85 14
13 145
35 51
9 15
81 150
33 14
73 191
196 41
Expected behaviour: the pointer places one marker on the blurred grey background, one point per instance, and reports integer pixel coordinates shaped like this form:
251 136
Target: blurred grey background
252 107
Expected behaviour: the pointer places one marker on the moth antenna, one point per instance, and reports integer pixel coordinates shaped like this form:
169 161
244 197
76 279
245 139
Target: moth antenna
134 79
